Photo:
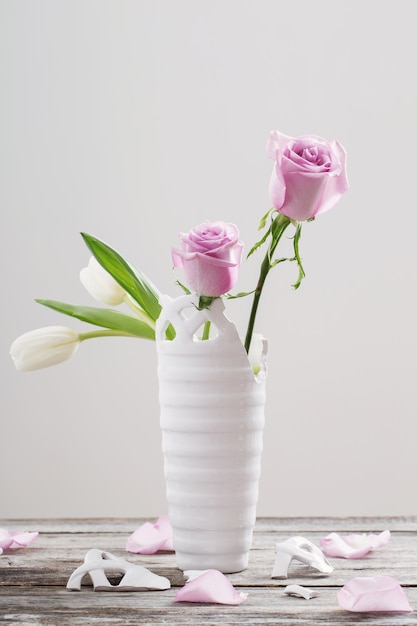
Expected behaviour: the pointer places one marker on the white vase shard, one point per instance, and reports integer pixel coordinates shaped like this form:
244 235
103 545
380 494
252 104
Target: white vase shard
212 420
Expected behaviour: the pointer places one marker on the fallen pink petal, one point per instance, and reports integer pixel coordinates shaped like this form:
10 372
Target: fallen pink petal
209 586
10 540
373 593
150 538
353 546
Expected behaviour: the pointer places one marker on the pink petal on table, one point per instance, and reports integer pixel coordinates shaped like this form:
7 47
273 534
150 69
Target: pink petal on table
11 540
209 586
375 541
150 538
373 593
353 546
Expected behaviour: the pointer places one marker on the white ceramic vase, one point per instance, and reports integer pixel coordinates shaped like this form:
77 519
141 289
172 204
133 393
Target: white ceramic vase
212 420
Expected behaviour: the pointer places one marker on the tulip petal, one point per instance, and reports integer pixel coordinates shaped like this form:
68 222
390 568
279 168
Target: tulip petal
44 347
150 538
101 285
208 586
373 593
257 353
353 546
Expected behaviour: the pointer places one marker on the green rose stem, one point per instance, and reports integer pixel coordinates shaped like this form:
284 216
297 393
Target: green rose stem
278 226
204 303
206 331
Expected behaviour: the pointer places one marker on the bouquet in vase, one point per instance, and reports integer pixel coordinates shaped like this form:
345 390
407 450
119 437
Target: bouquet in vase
308 178
211 388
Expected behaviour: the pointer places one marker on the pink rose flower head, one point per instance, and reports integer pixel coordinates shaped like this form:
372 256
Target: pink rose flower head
10 540
209 586
150 538
309 174
353 546
373 593
210 257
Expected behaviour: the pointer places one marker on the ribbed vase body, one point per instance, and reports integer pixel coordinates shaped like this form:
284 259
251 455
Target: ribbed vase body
212 420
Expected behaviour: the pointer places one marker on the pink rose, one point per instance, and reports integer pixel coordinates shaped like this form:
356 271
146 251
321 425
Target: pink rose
210 256
309 175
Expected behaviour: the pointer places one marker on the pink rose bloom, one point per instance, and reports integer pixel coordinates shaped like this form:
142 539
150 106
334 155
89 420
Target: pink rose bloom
210 257
309 176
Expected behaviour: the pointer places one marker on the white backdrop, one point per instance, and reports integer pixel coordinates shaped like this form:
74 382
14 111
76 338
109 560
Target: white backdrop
134 120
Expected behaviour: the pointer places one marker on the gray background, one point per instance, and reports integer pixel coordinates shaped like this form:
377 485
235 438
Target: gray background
133 121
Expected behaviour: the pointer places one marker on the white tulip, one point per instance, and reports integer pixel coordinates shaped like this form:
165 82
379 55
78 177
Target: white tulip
257 353
101 285
44 347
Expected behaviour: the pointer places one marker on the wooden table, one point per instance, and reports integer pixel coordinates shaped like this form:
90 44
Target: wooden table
33 579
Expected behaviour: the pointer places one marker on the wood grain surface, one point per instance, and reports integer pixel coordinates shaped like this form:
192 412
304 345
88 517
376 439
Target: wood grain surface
33 579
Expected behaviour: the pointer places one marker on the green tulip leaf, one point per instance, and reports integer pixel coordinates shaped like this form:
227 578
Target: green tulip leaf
107 318
131 279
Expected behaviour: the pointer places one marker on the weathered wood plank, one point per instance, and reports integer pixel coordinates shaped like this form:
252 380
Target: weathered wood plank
32 580
48 571
52 558
274 524
50 606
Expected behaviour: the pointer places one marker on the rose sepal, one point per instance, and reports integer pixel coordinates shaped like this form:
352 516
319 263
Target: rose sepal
301 272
